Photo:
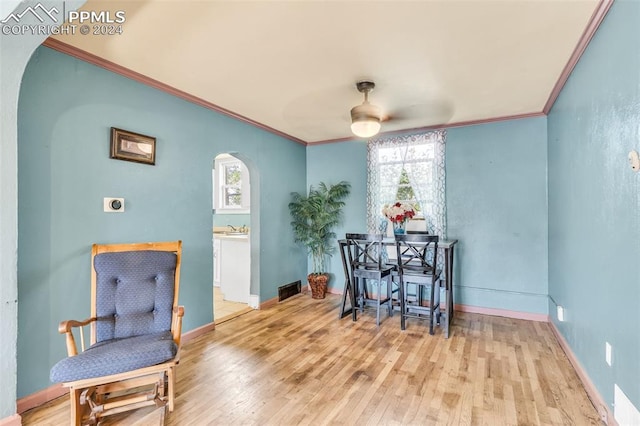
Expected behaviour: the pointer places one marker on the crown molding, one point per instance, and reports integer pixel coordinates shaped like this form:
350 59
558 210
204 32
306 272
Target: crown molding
594 23
77 53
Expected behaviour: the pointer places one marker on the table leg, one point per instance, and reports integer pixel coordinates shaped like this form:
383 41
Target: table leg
450 278
448 261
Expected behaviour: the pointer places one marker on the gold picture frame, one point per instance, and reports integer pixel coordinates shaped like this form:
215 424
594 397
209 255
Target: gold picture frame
130 146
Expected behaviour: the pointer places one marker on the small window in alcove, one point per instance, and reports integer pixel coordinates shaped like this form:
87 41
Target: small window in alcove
232 185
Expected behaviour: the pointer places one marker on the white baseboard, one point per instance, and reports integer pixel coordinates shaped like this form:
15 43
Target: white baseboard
254 301
529 316
596 399
14 420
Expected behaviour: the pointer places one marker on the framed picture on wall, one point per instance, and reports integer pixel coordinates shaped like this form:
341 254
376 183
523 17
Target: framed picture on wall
130 146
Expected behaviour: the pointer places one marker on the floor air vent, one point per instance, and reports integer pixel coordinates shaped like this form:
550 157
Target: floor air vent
288 290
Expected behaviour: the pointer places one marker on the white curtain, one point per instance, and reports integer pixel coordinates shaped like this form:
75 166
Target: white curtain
422 157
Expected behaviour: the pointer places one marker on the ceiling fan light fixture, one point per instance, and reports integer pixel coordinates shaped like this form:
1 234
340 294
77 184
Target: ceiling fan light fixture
365 127
365 118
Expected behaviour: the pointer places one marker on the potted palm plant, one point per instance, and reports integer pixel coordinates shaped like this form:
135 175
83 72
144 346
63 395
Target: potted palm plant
314 216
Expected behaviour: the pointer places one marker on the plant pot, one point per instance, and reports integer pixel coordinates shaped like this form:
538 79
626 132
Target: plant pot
318 285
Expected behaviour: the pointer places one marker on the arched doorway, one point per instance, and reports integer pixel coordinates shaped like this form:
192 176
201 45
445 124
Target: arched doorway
235 292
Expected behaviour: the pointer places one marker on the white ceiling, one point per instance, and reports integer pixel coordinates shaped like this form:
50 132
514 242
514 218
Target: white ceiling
292 65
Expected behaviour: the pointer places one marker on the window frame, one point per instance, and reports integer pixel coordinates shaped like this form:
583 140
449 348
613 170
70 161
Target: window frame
431 196
220 170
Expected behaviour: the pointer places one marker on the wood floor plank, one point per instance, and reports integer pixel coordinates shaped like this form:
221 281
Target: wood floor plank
298 364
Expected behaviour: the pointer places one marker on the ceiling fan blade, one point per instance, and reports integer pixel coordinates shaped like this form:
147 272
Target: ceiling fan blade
436 111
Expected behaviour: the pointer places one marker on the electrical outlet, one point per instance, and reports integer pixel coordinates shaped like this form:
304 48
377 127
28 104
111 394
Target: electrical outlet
560 312
634 161
608 350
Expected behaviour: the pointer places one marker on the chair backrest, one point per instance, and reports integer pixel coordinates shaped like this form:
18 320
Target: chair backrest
416 252
134 289
365 250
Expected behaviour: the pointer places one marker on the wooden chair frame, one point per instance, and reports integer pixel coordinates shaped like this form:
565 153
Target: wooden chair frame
154 385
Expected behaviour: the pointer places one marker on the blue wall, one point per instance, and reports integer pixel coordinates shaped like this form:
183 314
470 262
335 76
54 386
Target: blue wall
332 163
496 207
594 206
66 109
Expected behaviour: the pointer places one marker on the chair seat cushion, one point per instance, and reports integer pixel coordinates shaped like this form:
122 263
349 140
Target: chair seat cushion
116 356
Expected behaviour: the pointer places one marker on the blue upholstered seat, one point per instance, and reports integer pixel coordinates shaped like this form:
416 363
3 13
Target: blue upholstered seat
116 356
134 308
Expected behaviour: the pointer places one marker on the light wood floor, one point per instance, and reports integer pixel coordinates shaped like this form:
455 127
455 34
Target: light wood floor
297 363
224 310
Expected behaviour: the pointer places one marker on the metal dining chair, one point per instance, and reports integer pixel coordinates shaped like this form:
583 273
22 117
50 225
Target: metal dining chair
369 272
416 268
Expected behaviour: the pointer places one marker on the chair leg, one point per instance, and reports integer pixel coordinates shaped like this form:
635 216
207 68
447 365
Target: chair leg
403 306
162 388
390 295
76 408
171 387
438 311
439 304
432 311
365 292
352 295
378 304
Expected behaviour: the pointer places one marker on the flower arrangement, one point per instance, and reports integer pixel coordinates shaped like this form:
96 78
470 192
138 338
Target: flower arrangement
398 212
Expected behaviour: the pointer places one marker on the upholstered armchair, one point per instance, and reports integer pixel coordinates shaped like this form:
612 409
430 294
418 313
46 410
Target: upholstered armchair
135 329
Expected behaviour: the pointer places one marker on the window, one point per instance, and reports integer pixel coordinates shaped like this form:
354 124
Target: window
231 188
232 185
409 169
406 194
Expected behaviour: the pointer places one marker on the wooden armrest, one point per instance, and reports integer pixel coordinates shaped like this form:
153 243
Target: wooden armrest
177 326
65 328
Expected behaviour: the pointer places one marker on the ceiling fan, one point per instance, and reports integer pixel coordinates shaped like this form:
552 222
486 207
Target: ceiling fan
403 105
366 117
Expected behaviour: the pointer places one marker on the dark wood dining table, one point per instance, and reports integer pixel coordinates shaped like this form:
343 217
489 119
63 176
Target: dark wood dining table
447 248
